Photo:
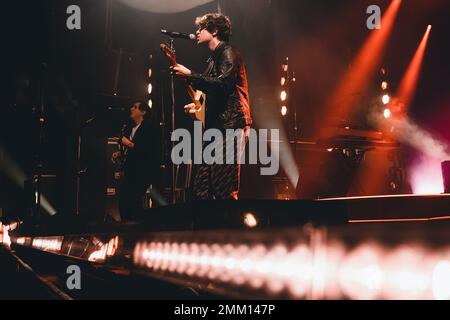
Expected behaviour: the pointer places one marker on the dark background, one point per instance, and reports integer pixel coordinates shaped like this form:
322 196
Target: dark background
75 71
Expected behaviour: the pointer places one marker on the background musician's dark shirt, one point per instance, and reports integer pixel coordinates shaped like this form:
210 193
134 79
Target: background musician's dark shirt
142 161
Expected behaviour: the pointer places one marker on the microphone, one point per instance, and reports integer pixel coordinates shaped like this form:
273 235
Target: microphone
174 34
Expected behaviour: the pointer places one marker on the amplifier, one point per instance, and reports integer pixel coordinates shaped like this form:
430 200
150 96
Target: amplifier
112 185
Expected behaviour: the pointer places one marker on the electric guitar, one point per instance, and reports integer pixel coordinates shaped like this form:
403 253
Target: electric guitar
198 97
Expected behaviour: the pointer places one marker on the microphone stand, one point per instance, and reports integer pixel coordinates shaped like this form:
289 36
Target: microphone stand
172 89
78 167
39 165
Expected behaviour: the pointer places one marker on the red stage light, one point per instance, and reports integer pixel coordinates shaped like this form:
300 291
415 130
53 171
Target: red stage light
409 81
363 66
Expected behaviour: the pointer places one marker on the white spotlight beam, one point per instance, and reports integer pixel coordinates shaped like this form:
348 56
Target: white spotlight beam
12 170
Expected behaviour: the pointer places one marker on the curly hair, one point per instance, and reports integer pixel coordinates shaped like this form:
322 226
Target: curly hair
213 22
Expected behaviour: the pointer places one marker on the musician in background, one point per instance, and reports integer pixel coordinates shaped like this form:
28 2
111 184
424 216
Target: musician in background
227 103
141 161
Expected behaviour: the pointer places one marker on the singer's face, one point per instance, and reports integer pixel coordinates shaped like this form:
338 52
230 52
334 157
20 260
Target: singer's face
203 36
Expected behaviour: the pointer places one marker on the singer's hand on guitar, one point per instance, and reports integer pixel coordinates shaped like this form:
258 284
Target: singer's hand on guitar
181 71
127 142
190 110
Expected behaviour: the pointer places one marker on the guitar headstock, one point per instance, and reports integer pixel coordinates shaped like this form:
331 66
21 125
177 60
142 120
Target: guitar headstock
169 53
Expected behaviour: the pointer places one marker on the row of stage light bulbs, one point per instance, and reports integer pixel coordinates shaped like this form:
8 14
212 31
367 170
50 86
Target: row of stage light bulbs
285 81
385 97
150 86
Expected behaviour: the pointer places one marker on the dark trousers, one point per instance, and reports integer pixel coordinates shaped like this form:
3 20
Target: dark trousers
220 181
132 192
